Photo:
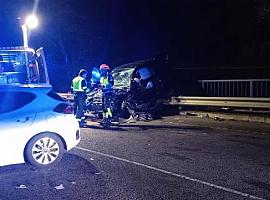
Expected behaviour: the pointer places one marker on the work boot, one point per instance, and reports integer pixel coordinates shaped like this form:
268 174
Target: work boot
105 122
82 123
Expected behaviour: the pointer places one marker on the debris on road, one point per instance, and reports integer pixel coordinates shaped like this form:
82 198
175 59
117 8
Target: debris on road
21 187
218 119
59 187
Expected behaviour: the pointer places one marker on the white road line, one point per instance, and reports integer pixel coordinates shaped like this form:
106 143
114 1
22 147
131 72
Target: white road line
174 174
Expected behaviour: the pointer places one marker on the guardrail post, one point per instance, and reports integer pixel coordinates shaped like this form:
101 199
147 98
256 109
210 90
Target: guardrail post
250 88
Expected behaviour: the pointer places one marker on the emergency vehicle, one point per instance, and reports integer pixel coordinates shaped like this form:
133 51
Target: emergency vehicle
37 126
22 65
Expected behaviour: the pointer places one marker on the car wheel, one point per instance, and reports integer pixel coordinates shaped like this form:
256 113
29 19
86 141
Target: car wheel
45 149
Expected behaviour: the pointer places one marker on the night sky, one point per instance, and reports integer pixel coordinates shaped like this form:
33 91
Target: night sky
193 33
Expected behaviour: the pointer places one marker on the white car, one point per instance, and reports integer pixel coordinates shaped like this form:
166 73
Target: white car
36 125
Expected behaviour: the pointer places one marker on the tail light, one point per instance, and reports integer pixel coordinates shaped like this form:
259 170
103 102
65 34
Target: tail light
63 108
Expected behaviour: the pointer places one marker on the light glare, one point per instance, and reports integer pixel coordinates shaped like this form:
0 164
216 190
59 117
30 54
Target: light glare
31 21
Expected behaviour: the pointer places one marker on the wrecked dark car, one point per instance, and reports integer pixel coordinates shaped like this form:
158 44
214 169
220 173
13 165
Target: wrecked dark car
135 92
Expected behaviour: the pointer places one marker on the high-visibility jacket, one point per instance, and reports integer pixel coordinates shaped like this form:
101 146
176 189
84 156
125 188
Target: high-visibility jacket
106 83
79 84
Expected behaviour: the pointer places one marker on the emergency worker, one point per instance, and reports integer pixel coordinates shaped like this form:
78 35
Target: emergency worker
79 88
106 82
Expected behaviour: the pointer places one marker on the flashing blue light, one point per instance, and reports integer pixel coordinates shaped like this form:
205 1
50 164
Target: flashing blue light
145 73
95 75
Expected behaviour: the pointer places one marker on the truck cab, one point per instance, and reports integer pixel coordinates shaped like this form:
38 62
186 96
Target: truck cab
23 65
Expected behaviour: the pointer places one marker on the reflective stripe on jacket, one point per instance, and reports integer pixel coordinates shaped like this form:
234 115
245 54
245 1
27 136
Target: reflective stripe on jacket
106 83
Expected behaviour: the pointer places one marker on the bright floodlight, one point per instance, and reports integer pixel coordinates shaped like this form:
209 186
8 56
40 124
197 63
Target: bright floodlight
31 21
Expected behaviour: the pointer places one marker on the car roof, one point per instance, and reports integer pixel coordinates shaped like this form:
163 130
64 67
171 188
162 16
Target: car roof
8 86
123 67
137 64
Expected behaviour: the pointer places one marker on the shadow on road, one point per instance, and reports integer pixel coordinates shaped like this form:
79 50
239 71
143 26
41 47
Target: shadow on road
111 128
125 126
23 181
69 162
156 126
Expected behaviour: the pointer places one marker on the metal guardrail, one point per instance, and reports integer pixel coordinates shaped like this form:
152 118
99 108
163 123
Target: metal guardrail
240 102
241 93
236 87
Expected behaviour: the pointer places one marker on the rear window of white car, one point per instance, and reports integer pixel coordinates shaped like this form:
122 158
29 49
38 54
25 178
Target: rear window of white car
11 101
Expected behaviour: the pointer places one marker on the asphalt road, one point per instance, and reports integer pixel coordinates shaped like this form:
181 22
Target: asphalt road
172 158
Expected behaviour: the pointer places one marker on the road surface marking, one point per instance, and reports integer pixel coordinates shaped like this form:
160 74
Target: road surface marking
174 174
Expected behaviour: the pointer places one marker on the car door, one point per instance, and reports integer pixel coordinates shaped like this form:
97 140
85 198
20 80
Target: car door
15 122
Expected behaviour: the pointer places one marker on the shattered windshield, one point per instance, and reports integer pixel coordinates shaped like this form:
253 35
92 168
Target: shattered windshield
122 77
